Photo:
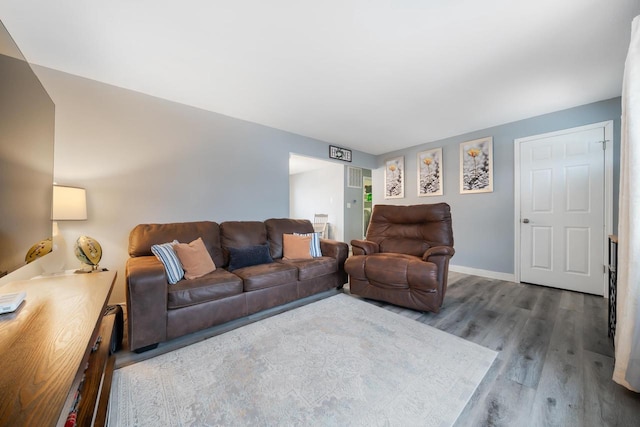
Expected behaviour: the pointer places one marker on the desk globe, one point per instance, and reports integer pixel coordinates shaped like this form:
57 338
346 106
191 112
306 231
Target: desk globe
88 251
38 250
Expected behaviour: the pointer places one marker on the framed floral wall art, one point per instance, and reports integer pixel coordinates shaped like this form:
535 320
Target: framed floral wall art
476 166
394 178
430 173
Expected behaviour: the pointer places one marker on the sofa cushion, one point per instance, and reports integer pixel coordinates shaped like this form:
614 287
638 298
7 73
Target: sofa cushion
276 227
143 236
312 268
195 259
210 287
296 246
314 244
248 256
165 253
266 275
239 234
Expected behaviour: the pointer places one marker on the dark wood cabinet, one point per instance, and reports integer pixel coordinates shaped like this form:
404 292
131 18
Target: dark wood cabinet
92 409
46 351
613 283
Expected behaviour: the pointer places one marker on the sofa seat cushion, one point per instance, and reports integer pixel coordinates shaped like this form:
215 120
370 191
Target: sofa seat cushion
312 268
266 275
210 287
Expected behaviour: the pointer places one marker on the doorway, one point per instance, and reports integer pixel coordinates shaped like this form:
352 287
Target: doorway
317 187
563 185
367 186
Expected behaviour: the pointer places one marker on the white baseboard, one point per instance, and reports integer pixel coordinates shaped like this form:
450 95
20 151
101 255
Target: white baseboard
483 273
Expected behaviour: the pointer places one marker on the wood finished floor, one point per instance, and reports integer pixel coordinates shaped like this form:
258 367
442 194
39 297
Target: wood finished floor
555 360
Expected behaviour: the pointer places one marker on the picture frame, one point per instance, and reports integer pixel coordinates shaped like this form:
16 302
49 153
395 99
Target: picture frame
339 153
430 179
476 166
394 178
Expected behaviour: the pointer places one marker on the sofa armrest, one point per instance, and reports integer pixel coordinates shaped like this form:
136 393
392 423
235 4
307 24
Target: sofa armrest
438 250
334 249
146 301
364 247
337 250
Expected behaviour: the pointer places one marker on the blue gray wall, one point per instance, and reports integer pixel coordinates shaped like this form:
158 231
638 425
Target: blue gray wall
353 206
143 159
484 223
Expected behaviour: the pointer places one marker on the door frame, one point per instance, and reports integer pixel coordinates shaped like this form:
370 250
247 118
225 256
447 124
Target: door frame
608 191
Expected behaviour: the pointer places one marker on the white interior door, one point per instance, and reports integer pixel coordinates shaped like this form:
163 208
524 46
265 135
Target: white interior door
562 210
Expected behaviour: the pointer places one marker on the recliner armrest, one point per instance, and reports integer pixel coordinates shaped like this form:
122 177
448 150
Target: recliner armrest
438 250
364 247
146 301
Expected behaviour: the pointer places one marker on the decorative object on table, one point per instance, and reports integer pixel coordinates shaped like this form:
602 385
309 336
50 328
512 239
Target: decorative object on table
394 178
339 153
69 204
476 166
38 250
10 302
88 251
430 173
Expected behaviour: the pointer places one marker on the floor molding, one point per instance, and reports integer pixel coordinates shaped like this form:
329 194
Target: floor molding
483 273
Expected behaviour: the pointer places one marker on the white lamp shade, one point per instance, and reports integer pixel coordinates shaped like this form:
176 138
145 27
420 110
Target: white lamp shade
69 203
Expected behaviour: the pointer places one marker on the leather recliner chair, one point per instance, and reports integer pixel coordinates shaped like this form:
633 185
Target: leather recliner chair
405 257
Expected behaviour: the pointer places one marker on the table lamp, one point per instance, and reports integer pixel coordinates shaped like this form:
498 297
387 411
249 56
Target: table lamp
69 204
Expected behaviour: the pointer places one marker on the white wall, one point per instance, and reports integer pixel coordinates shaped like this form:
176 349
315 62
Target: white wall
319 191
143 159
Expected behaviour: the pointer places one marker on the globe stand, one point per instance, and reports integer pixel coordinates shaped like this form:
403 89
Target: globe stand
89 269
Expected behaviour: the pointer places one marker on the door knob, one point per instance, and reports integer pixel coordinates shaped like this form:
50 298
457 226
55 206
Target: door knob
526 220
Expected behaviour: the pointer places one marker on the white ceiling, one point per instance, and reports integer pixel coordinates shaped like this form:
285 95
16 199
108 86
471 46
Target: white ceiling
370 75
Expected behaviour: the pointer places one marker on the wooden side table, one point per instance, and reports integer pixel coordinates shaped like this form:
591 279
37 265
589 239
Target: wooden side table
47 344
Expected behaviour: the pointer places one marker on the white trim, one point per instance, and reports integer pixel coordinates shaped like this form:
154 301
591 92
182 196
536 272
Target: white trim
608 198
608 191
483 273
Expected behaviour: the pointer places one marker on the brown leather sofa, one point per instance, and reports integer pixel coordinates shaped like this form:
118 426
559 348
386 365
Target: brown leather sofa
405 257
157 311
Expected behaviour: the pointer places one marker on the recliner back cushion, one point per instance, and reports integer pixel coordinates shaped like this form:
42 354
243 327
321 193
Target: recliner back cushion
403 246
143 236
410 229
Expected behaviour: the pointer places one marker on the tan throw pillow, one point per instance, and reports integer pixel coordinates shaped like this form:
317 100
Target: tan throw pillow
195 259
296 247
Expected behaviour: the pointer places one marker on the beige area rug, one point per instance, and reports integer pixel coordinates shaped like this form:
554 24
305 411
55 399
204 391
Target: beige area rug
335 362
